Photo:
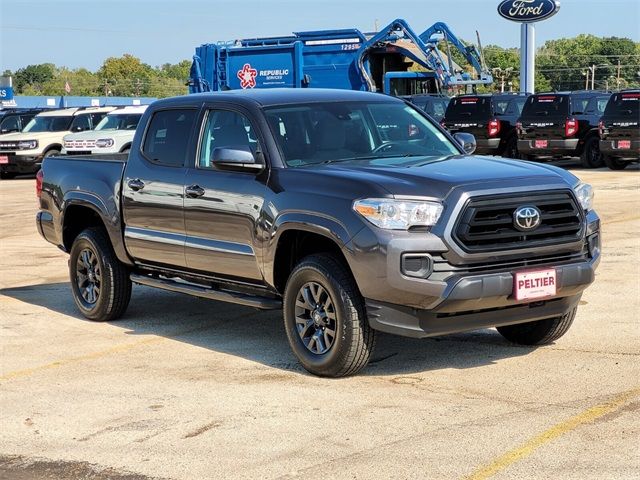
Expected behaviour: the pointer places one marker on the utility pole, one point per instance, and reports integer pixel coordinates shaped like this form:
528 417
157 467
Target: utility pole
618 77
593 77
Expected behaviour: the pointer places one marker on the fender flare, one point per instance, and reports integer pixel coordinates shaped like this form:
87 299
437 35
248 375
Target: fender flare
316 223
110 218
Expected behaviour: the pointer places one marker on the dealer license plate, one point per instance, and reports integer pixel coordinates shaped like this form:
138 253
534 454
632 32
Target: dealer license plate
534 284
540 143
624 144
4 159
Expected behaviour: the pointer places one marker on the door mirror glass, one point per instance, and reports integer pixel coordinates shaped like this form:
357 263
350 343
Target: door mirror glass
467 141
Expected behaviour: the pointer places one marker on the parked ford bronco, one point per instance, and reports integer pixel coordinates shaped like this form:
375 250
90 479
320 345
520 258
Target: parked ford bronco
563 124
620 130
354 212
490 118
22 152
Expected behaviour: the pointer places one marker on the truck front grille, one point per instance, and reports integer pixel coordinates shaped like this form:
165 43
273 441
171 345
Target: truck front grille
487 224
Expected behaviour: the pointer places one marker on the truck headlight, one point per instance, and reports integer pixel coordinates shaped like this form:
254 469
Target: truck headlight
584 192
27 144
104 143
394 214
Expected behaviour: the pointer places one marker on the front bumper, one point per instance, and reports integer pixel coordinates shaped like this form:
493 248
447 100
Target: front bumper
555 148
456 298
610 147
21 164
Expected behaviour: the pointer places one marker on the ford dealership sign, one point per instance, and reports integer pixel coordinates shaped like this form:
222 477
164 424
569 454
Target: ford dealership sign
528 10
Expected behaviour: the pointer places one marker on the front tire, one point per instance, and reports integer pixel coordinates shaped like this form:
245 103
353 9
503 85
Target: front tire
614 163
540 332
324 317
591 157
100 283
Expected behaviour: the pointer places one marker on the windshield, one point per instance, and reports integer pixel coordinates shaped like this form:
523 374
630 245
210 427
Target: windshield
48 124
119 122
351 131
624 104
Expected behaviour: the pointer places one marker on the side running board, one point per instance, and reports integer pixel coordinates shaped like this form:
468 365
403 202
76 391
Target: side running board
263 303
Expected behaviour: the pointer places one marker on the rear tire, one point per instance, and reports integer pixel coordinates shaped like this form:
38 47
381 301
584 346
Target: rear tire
591 157
100 283
511 149
540 332
614 163
324 317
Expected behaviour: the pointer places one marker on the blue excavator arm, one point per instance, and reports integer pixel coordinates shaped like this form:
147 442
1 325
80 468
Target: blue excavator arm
470 53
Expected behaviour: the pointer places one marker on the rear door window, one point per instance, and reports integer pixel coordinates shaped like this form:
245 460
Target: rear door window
468 108
541 106
167 138
80 123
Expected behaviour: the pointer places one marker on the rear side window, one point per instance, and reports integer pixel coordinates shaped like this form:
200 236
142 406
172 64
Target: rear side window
468 108
624 104
500 107
546 106
579 104
9 124
167 137
439 108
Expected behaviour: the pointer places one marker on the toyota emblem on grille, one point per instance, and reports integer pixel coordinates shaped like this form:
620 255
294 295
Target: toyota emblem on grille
527 218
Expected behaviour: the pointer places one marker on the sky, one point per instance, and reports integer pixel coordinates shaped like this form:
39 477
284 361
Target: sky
82 33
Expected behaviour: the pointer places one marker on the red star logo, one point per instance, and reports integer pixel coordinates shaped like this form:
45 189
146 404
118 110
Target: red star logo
247 76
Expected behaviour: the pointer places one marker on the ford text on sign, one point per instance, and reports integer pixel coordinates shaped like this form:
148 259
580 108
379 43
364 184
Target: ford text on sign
528 10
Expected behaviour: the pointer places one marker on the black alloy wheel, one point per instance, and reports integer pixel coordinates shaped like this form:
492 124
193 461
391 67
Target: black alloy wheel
88 276
315 318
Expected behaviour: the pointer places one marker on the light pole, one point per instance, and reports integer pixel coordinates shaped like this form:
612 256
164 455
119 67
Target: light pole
593 69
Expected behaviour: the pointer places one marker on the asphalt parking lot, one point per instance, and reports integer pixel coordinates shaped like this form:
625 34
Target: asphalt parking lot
184 388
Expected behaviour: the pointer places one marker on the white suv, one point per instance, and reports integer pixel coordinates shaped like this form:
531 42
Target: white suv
23 152
113 134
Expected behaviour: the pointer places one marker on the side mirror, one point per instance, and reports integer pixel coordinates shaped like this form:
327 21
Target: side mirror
235 157
466 141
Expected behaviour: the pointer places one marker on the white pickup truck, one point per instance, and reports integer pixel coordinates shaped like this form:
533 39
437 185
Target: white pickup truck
22 152
113 134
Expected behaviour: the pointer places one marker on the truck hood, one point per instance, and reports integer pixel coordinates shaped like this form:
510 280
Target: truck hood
98 134
438 178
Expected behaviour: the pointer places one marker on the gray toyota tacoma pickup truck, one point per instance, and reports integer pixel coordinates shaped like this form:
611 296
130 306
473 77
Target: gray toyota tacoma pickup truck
352 212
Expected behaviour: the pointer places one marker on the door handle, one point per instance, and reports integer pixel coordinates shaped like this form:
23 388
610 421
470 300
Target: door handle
135 184
194 191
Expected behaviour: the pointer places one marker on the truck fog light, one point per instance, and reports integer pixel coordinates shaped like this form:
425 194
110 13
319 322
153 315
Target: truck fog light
593 227
594 245
417 265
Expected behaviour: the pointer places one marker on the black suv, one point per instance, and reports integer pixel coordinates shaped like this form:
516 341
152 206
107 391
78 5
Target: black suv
432 104
562 124
619 130
490 118
14 120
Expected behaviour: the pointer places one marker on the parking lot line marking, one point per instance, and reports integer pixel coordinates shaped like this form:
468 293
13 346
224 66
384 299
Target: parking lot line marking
91 356
531 445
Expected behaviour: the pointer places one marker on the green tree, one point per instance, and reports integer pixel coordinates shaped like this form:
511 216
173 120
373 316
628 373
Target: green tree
33 77
179 71
125 76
